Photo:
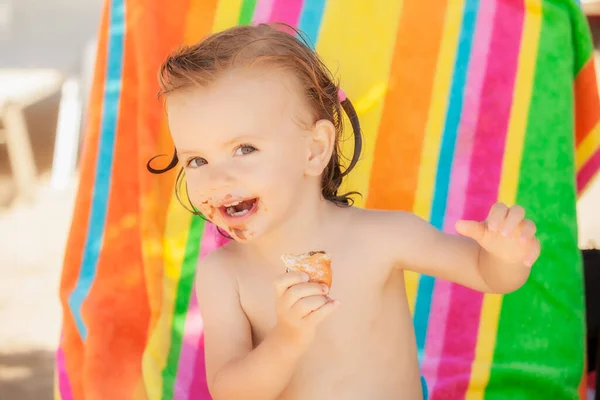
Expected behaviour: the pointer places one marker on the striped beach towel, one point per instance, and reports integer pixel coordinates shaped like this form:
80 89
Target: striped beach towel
462 102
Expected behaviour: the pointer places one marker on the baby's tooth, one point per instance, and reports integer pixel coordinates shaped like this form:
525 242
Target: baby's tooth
239 213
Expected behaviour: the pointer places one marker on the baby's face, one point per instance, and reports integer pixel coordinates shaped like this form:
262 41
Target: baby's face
243 144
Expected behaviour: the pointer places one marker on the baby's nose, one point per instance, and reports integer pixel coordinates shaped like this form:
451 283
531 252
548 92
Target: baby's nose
220 177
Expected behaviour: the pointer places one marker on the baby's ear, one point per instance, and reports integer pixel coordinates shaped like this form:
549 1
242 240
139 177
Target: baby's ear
320 147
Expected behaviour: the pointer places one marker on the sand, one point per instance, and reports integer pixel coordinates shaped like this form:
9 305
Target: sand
32 241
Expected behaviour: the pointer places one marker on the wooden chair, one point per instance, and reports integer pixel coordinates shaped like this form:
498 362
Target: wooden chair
20 89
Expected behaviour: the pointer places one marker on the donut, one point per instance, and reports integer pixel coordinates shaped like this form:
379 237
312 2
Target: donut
316 264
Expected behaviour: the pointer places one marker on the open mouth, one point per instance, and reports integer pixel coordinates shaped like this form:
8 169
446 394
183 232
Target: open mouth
238 209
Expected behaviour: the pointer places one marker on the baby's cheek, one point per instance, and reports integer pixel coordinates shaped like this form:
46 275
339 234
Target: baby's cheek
206 210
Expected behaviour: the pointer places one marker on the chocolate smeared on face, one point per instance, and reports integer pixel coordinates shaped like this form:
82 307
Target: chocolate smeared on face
239 233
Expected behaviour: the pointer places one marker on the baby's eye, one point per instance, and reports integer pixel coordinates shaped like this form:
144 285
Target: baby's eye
245 149
196 162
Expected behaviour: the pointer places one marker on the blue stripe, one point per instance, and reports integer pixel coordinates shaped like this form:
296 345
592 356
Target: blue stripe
104 163
311 18
442 180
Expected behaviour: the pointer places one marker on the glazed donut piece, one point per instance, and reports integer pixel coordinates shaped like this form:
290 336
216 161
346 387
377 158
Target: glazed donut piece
316 264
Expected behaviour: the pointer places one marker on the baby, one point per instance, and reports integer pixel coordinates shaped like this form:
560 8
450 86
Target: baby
256 119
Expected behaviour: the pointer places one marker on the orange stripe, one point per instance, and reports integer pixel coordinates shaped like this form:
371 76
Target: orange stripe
154 137
587 104
406 106
115 345
199 22
72 344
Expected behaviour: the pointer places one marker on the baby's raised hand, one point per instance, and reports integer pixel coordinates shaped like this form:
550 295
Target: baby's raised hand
301 305
505 233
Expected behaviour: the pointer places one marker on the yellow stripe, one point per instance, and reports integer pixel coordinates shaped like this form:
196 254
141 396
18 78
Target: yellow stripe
157 350
437 113
227 14
338 44
587 148
411 282
507 191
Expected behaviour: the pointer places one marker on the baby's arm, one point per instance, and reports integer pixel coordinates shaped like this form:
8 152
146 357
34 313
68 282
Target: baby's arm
234 370
497 268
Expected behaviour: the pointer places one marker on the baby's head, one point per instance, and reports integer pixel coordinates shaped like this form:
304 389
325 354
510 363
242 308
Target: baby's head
256 119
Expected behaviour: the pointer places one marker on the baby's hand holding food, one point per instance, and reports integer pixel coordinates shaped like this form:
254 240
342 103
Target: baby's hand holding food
301 305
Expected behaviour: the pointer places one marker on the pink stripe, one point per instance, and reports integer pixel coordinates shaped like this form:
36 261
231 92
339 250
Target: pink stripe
485 168
262 12
587 172
286 11
459 180
64 386
191 374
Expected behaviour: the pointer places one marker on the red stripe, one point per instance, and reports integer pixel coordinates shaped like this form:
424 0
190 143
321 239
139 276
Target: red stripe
482 191
587 104
588 171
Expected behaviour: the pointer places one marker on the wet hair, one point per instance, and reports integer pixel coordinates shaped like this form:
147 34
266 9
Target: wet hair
276 45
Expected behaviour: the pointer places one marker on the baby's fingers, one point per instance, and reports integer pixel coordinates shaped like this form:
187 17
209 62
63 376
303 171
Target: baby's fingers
322 312
285 281
307 305
515 216
496 216
533 254
527 230
296 293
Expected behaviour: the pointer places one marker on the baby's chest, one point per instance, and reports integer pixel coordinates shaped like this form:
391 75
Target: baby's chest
356 285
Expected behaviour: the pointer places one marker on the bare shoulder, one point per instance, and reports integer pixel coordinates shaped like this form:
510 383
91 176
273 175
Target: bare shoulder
216 266
216 275
220 263
392 223
396 235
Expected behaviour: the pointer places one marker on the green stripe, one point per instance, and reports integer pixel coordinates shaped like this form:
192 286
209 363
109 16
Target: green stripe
247 12
539 349
182 300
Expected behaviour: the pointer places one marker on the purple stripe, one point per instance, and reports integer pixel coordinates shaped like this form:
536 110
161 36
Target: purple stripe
459 180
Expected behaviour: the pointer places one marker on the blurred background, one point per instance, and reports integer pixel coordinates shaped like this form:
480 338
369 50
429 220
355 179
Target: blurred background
47 50
46 59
